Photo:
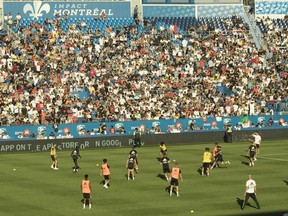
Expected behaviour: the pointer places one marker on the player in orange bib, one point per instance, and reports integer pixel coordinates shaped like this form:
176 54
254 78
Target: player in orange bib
175 175
86 190
105 171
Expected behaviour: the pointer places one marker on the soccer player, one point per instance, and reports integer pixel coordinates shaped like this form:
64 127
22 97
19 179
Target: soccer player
214 152
53 155
75 154
206 160
134 154
175 175
105 171
163 150
218 158
87 191
130 165
137 136
250 191
251 153
229 131
257 141
165 161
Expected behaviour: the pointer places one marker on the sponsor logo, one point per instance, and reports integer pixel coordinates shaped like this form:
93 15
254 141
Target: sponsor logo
42 130
66 130
155 124
36 9
2 131
81 129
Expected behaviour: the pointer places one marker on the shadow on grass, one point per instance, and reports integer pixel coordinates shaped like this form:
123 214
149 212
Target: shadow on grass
161 176
167 189
245 156
239 202
245 163
285 181
199 170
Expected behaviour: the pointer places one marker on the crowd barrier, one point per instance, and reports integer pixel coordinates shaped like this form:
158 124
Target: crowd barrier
122 141
163 126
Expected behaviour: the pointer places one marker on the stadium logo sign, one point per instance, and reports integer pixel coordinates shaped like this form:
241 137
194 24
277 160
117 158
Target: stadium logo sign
37 9
42 130
226 122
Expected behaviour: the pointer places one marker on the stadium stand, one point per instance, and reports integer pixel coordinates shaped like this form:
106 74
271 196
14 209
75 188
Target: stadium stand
178 67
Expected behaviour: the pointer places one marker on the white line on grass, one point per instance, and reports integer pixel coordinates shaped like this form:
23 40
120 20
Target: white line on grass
277 159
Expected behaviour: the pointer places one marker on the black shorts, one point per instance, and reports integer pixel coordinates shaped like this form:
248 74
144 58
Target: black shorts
252 155
219 158
53 158
130 167
166 169
174 182
106 177
257 146
86 195
206 165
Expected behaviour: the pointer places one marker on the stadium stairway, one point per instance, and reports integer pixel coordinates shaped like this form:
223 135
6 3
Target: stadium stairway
253 28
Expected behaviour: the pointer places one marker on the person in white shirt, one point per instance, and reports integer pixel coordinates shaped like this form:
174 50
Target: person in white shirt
250 191
257 141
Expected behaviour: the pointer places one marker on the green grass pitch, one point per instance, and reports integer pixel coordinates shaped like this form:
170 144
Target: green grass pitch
34 189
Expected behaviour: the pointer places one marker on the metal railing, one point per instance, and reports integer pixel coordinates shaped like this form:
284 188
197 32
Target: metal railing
254 30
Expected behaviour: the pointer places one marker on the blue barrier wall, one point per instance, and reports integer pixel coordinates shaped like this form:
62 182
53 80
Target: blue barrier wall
165 126
48 9
271 7
191 10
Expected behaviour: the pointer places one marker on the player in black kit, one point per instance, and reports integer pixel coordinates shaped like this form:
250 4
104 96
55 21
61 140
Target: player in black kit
165 161
75 156
134 154
251 153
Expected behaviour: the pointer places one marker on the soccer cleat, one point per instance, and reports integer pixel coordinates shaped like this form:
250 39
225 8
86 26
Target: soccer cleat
170 194
133 178
255 159
228 162
128 178
90 206
202 174
56 168
52 167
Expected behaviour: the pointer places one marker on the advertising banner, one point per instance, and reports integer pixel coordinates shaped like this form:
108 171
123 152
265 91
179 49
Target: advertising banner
127 141
48 9
163 126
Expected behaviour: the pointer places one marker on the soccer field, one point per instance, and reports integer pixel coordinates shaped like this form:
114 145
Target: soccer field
35 189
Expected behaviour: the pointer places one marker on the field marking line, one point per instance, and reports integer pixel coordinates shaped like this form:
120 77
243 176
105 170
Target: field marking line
269 158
